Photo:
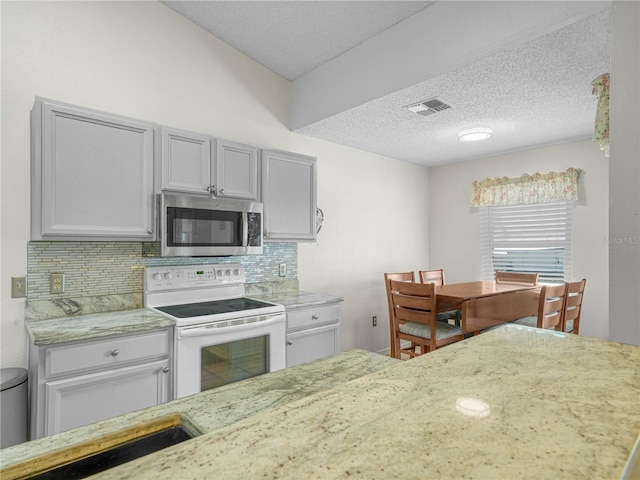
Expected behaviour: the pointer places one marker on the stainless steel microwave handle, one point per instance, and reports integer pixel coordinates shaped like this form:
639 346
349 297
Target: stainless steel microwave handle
245 229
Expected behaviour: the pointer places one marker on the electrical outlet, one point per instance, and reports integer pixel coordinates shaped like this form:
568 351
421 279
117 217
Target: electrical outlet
57 282
18 287
283 270
374 321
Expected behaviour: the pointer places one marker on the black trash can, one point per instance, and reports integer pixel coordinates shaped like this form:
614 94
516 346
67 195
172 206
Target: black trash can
14 406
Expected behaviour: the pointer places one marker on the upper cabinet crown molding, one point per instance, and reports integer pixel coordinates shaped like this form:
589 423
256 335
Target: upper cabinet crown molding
289 190
92 175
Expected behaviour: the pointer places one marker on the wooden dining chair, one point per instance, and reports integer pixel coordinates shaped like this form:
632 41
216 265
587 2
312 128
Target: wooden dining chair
517 278
550 308
573 306
402 277
414 319
437 278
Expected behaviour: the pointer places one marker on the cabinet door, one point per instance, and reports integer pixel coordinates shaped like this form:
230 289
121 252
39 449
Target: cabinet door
312 344
92 175
289 196
186 161
78 401
236 170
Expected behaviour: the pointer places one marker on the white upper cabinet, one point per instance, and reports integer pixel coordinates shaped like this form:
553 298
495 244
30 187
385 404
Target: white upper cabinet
237 170
92 175
199 164
289 196
186 161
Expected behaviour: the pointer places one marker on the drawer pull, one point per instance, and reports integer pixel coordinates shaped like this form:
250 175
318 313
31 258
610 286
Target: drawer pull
165 370
314 317
114 352
289 342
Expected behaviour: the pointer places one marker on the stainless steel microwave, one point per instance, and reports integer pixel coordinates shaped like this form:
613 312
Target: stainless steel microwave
192 226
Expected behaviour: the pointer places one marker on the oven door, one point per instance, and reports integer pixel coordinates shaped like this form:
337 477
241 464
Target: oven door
209 356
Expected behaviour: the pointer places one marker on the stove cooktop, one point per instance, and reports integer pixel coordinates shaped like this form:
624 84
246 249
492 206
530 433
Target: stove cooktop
214 307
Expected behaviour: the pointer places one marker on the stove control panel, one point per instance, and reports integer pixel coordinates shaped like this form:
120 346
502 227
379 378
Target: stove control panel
177 277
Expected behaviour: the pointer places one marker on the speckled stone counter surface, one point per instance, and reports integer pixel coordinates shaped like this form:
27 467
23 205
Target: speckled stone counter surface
214 409
558 406
298 299
83 327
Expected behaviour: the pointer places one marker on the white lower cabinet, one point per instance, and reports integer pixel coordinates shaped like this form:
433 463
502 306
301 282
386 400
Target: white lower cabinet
312 333
78 401
312 344
78 383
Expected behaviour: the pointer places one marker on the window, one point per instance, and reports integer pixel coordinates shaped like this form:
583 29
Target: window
527 238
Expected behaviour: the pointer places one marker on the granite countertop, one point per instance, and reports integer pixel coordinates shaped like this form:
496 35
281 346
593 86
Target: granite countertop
48 331
543 405
83 327
298 299
557 406
212 410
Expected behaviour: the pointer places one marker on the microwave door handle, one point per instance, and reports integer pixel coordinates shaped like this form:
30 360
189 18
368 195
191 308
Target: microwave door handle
245 229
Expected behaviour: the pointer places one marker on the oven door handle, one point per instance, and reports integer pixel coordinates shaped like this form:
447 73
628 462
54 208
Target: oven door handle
188 332
245 229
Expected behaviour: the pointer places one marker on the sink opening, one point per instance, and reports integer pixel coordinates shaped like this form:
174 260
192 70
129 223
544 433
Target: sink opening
118 455
113 449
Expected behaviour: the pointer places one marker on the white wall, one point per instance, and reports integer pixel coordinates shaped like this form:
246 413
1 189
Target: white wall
142 60
455 227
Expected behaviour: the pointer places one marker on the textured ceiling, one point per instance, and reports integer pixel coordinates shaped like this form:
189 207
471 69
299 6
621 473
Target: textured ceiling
533 93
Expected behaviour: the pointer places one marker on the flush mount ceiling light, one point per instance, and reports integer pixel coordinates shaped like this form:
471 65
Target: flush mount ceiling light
473 134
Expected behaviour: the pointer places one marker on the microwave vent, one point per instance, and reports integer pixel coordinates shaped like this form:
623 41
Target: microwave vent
428 107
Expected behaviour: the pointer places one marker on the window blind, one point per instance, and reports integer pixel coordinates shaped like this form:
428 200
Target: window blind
528 238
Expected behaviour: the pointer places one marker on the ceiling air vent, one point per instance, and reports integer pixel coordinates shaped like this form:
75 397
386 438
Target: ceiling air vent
428 107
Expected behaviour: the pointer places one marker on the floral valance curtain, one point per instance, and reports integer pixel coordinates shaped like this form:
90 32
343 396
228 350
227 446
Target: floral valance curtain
527 189
601 129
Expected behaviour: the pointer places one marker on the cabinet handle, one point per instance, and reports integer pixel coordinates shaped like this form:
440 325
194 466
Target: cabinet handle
165 369
314 317
149 231
221 191
114 352
266 234
289 342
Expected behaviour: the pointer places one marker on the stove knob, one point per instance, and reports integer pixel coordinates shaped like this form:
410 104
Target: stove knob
219 273
168 276
157 276
227 273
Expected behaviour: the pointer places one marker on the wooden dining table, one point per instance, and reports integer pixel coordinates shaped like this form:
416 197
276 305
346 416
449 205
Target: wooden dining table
486 303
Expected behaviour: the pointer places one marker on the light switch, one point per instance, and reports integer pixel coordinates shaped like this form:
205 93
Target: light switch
18 287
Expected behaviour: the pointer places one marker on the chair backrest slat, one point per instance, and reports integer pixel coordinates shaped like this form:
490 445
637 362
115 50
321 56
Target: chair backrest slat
551 307
517 278
400 276
432 276
573 305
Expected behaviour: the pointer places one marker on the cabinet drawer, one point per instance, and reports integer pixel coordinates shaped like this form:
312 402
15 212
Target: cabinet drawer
106 353
312 317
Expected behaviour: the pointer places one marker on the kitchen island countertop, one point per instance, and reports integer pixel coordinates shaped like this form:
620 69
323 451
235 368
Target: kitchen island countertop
515 402
557 406
214 409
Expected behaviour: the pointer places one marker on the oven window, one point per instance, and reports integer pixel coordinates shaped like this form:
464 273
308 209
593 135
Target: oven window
191 227
230 362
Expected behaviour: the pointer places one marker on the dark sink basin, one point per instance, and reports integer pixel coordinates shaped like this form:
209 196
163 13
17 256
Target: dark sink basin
108 453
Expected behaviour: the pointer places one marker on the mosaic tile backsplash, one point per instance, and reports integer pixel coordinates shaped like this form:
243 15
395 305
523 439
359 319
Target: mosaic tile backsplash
116 268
